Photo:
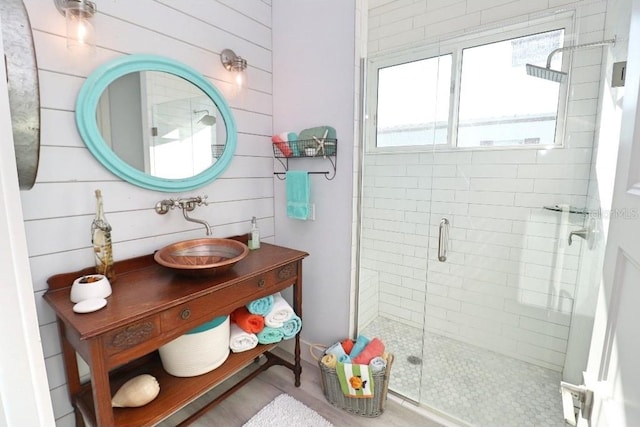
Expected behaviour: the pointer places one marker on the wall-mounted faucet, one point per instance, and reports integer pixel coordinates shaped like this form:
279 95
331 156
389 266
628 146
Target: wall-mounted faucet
187 205
588 233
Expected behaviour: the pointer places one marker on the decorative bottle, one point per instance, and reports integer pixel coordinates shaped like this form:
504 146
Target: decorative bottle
254 235
101 241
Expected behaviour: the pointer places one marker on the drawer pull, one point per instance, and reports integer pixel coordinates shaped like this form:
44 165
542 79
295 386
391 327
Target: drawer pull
261 283
184 315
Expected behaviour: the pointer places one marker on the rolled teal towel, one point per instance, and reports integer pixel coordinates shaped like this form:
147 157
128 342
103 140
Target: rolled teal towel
378 364
361 343
292 139
261 306
291 327
338 352
270 335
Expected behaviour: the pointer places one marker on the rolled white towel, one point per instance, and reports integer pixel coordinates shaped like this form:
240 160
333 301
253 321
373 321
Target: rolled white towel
239 340
280 312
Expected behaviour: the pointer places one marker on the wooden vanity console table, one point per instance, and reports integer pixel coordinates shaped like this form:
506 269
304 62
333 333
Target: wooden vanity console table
150 306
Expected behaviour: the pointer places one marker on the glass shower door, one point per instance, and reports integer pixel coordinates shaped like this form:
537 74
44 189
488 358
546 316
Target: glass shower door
407 110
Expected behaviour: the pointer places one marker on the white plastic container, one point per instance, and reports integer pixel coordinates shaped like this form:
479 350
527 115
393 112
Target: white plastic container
89 287
199 351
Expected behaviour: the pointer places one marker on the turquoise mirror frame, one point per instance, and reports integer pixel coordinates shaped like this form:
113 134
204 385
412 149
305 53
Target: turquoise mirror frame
87 103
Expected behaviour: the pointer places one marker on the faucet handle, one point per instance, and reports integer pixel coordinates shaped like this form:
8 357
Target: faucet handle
163 206
202 200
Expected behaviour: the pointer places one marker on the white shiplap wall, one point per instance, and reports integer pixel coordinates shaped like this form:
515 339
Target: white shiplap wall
510 280
59 209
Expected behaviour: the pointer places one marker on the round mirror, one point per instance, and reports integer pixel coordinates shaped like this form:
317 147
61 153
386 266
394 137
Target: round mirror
156 123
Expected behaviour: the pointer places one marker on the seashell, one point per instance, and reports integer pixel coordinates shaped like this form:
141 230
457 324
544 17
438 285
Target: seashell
138 391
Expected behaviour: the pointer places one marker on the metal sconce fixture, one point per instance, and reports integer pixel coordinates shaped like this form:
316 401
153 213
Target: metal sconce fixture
80 32
237 65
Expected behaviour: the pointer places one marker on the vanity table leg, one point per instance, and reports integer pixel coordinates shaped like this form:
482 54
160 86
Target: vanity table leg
71 370
297 307
100 385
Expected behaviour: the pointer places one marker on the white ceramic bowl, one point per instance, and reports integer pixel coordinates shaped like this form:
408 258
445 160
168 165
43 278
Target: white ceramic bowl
90 286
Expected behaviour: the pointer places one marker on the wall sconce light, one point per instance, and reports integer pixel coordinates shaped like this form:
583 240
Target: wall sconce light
237 65
80 32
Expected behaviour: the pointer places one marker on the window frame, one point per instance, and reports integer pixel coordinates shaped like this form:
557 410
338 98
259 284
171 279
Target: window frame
455 46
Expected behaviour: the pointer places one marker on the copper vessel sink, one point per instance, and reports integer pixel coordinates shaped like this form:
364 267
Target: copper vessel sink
202 257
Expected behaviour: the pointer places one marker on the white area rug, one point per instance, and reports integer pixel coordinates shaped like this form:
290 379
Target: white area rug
284 410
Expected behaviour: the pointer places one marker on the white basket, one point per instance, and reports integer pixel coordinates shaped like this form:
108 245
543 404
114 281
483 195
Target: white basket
199 351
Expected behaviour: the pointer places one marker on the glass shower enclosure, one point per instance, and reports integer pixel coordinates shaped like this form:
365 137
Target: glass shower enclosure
479 227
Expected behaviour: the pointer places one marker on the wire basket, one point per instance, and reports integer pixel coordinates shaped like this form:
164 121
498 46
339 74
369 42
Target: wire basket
306 148
369 407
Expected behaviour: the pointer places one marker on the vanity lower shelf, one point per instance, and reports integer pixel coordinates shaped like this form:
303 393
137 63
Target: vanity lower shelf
175 392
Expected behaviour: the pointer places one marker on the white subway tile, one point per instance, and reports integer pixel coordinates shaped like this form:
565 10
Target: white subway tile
490 313
582 107
459 183
502 184
495 157
498 212
488 171
584 90
449 304
536 339
537 312
561 186
511 9
579 139
579 171
545 327
405 38
482 301
445 171
546 355
544 301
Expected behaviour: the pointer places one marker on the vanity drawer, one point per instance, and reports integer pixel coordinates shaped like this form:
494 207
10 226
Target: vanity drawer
199 310
132 335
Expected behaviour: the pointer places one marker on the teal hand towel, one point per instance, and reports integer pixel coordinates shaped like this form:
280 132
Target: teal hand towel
261 306
298 191
270 335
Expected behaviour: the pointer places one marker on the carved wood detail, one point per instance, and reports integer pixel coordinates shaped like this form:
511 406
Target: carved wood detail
132 335
287 271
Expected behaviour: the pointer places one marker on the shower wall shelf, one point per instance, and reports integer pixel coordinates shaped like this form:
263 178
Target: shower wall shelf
569 209
317 148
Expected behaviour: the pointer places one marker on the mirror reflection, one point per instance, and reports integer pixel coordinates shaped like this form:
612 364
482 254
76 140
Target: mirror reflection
161 124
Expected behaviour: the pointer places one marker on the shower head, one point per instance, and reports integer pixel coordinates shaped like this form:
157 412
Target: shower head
207 119
554 75
545 73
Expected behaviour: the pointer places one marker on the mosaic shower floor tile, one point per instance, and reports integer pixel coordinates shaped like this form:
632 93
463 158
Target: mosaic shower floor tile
473 384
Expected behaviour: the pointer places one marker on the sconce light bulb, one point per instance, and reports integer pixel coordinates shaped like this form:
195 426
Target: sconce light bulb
80 31
240 80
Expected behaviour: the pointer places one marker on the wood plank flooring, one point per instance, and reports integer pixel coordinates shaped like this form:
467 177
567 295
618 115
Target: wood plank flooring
246 402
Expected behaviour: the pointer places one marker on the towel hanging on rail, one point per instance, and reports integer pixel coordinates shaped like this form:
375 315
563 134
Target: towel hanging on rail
298 193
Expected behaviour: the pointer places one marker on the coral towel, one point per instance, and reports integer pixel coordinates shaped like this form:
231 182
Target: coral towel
252 323
374 349
347 345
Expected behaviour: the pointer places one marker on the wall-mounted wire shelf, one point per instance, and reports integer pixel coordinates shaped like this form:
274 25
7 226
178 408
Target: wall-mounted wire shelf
316 148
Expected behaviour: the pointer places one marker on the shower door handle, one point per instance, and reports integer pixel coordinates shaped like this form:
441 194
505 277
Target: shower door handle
443 239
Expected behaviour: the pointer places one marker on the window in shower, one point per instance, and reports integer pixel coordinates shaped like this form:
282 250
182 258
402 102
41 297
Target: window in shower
500 104
471 92
413 102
